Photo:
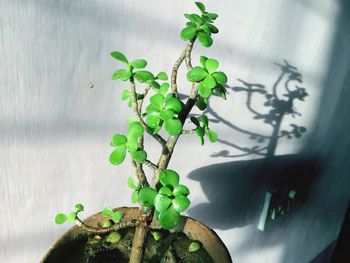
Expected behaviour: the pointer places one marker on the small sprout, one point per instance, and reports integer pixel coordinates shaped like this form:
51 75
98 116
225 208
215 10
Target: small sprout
117 216
107 223
71 217
131 183
113 237
157 235
107 212
194 246
79 208
60 218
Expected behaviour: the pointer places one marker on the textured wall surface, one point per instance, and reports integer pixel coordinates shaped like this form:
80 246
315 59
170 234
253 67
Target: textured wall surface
55 130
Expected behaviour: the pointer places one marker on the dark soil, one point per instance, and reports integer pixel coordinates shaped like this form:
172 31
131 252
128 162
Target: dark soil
171 248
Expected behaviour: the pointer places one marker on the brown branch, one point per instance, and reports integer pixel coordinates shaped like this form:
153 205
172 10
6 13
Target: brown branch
188 131
150 165
101 230
186 54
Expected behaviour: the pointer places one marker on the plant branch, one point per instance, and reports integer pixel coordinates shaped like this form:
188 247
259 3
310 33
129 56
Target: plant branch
150 165
186 54
101 230
189 131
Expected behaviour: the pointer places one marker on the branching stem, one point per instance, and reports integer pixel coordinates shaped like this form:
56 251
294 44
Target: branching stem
101 230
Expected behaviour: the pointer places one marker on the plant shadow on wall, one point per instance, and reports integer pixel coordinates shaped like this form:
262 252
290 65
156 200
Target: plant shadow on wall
243 183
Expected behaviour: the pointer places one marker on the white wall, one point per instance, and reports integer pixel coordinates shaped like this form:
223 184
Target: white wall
55 130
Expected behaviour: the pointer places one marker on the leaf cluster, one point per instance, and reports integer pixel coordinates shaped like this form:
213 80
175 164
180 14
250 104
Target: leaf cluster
202 128
71 217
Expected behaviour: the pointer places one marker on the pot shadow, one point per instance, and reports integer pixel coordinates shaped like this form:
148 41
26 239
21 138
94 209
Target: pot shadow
236 190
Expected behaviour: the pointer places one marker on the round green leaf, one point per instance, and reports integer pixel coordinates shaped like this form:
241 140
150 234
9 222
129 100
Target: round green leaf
165 191
173 104
173 126
139 156
113 237
166 115
152 108
107 211
118 155
131 183
79 207
157 100
203 61
204 119
153 119
213 136
143 76
125 95
202 103
181 190
71 217
181 203
135 130
200 131
135 197
162 76
194 246
169 218
162 202
169 177
196 74
220 77
60 218
119 56
121 74
164 88
147 196
132 145
204 39
209 81
117 216
118 140
139 63
188 33
211 65
200 6
204 91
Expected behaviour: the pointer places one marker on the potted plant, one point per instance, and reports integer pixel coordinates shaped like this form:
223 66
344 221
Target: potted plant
152 232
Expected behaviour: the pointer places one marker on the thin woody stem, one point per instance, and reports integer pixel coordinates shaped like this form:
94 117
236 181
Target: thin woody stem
150 165
101 230
189 131
186 54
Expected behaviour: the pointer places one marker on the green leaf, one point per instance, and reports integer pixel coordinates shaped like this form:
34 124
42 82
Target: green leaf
196 74
203 61
212 16
169 177
195 19
209 81
107 223
164 88
195 121
169 218
204 39
166 114
158 100
173 104
156 235
194 246
204 91
60 218
135 130
173 126
152 108
139 63
181 190
162 76
162 202
119 56
202 103
213 29
79 208
139 156
204 119
113 237
181 203
117 216
200 133
213 136
118 155
71 217
211 65
122 74
188 33
147 196
155 85
200 6
125 95
220 77
165 191
107 211
220 91
153 119
135 197
132 145
118 140
143 76
131 183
